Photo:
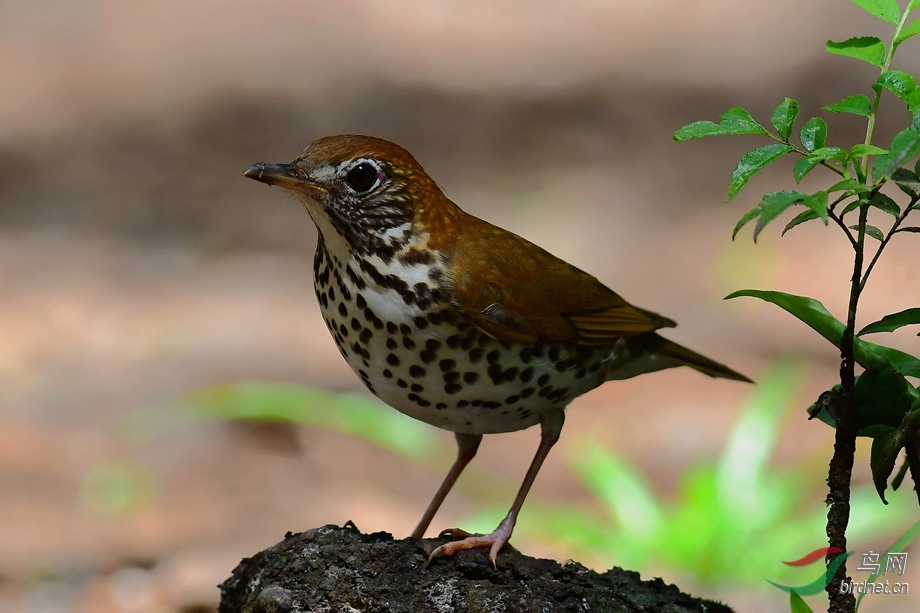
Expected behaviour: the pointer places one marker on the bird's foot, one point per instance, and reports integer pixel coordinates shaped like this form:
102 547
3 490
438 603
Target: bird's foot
497 539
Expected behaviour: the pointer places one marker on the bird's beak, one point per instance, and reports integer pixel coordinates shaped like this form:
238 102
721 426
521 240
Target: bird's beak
283 175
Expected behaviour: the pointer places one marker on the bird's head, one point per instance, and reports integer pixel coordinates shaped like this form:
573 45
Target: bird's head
361 186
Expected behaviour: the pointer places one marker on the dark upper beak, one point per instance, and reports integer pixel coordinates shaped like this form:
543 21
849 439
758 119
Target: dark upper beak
273 174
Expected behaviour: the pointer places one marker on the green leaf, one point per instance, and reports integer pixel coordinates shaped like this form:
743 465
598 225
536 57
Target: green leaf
734 121
800 219
907 181
752 163
870 231
886 204
855 105
797 605
912 5
865 352
904 146
885 448
912 229
813 134
890 323
859 150
850 185
911 30
866 48
903 86
784 116
745 219
773 204
830 153
881 397
817 203
853 206
804 166
883 9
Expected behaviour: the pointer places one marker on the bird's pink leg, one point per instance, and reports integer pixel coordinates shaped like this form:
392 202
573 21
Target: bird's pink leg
551 426
467 445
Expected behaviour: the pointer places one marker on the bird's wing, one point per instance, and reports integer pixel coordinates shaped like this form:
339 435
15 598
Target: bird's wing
518 292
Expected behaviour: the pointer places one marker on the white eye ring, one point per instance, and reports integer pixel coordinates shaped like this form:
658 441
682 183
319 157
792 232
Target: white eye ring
364 176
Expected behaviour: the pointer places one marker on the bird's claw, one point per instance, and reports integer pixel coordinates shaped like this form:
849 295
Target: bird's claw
495 541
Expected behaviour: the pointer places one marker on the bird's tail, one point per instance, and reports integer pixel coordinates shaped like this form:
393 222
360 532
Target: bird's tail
681 356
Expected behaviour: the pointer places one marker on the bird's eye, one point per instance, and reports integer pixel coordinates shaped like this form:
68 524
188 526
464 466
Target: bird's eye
363 177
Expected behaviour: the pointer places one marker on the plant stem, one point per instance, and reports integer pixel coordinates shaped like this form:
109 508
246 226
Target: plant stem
891 232
840 471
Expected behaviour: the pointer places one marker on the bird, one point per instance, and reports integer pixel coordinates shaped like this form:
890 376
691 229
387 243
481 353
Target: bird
455 321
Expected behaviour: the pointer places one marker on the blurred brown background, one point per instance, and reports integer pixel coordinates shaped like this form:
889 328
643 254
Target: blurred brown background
136 263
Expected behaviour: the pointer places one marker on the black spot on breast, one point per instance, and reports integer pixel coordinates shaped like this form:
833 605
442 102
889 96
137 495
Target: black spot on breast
427 356
554 353
420 322
366 335
537 350
491 404
387 373
415 387
343 310
453 341
392 360
525 355
416 371
391 327
496 373
435 274
405 329
435 318
581 373
332 294
447 365
440 406
471 377
512 399
493 356
392 344
408 343
432 344
402 383
475 355
355 324
527 375
511 374
453 388
544 379
343 330
476 403
451 377
360 301
463 403
527 392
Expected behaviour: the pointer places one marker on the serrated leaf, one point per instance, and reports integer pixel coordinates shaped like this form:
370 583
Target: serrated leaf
801 218
773 204
903 86
734 121
890 323
745 219
804 166
849 185
858 150
866 48
817 203
904 146
870 231
813 134
784 116
910 30
855 105
752 163
884 203
907 181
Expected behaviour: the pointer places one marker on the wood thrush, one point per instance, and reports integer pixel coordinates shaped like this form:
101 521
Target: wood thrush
454 321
